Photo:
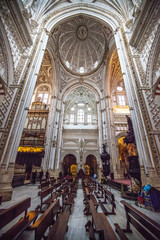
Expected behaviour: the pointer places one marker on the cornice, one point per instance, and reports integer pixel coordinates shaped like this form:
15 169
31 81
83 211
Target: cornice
145 23
20 22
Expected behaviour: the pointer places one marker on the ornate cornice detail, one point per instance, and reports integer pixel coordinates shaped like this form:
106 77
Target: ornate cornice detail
15 15
65 77
45 75
145 23
18 33
12 105
98 77
143 108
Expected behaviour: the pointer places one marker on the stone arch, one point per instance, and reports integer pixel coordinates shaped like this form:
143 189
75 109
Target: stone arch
68 161
95 153
51 52
98 13
91 161
113 61
65 153
75 85
122 134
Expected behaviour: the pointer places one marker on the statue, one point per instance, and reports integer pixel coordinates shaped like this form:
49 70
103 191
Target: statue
105 157
130 134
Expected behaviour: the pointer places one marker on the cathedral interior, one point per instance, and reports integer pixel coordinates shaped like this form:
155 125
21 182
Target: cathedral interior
79 92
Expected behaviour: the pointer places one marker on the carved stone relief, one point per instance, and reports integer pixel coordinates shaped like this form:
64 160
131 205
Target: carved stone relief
46 71
143 109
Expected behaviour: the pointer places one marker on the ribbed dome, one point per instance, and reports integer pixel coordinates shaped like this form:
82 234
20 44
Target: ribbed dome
81 45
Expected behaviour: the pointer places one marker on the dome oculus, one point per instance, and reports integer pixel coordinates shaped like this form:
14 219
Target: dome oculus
82 32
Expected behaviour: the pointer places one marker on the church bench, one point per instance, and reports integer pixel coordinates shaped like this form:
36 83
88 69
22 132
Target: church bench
99 193
146 226
108 198
44 185
52 181
101 224
46 220
89 228
95 203
104 209
94 200
43 180
58 230
11 213
62 188
57 185
86 195
73 187
92 183
74 190
52 178
51 197
67 200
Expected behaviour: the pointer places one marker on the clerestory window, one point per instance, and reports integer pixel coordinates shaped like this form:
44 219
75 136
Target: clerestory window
43 97
80 116
121 100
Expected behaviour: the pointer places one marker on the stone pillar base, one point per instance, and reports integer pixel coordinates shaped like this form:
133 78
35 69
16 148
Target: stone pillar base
151 178
154 179
99 173
6 177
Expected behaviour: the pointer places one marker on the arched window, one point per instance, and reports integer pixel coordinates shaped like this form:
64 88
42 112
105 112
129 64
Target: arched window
80 116
121 100
43 97
43 93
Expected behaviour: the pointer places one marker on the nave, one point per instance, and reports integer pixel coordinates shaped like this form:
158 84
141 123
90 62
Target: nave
77 219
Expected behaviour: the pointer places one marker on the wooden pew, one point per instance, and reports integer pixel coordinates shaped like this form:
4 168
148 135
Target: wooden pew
146 226
73 187
44 185
62 188
67 200
11 213
52 181
88 197
56 186
46 220
109 198
99 193
101 224
51 197
58 230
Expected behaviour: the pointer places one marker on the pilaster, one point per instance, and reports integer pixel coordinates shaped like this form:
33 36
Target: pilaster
6 176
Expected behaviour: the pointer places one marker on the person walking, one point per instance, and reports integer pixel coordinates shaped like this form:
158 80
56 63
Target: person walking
47 175
95 176
41 175
34 175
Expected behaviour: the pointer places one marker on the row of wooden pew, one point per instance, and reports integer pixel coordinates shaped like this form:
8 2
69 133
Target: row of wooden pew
50 213
99 223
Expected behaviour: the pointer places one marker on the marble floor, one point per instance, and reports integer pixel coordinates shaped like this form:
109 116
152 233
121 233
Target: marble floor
77 220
